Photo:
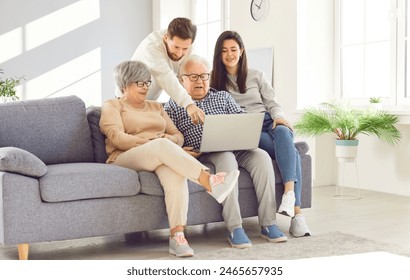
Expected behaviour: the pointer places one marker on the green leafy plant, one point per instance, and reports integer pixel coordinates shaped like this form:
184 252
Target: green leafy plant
375 99
8 88
347 123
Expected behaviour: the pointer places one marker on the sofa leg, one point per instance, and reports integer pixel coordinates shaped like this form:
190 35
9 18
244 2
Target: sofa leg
23 251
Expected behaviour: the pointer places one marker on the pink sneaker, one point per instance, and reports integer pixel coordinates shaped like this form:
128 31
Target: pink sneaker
222 184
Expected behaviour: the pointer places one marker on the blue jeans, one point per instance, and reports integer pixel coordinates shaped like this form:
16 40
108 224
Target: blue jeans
280 146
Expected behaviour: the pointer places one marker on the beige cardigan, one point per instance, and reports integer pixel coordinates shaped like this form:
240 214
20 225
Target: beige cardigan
126 127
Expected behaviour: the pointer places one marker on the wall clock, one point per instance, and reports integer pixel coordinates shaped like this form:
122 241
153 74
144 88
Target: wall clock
260 9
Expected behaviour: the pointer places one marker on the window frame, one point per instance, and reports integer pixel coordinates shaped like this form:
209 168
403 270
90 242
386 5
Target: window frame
396 98
224 21
403 86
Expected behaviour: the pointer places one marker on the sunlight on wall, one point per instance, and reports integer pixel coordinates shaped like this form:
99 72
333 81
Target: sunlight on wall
88 89
80 76
60 22
11 44
47 28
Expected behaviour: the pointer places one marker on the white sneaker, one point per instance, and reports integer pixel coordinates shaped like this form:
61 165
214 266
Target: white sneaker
287 207
179 246
298 226
222 184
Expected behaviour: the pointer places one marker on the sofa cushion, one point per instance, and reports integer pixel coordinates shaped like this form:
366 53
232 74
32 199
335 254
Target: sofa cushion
19 161
74 181
98 139
56 129
150 183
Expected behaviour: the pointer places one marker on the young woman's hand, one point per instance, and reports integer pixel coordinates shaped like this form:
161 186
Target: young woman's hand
282 122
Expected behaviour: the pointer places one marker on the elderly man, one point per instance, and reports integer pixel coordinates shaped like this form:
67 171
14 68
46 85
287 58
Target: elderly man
194 76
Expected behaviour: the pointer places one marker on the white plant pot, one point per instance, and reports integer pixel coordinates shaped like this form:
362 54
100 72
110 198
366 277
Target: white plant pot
346 150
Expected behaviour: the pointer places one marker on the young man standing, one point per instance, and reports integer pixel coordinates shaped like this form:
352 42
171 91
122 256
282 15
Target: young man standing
164 51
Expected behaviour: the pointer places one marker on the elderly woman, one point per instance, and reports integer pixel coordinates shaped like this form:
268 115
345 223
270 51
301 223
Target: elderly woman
141 136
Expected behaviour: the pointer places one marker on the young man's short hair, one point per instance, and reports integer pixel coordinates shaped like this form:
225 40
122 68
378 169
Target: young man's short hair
182 28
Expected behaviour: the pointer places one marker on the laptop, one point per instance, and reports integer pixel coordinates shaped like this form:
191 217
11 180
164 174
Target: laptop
231 132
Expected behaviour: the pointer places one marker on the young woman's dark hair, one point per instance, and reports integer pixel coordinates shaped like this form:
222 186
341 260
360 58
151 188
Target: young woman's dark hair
219 76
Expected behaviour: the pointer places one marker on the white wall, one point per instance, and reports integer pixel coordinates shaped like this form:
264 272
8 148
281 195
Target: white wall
69 46
165 10
315 78
277 31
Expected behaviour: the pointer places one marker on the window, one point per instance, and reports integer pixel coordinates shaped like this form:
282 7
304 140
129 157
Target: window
211 18
372 51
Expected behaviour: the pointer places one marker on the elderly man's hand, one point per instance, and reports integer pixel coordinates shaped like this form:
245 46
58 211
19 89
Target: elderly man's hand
196 114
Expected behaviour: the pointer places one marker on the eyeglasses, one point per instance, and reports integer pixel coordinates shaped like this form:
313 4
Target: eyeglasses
141 84
195 77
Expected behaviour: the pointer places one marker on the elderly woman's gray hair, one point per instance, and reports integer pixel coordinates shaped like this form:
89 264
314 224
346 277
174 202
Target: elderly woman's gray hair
194 58
129 72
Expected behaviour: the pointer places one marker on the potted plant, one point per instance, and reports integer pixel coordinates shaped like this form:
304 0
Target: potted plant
8 88
375 102
347 124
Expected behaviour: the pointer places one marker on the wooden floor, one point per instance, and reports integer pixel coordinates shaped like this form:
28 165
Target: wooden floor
378 216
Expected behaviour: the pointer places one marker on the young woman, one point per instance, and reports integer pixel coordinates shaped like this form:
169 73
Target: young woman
141 136
251 90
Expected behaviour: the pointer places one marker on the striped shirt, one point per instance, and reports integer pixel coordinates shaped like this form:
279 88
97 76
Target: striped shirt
214 103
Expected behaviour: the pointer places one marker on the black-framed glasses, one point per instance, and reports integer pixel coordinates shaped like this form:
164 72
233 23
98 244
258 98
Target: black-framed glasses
141 84
195 77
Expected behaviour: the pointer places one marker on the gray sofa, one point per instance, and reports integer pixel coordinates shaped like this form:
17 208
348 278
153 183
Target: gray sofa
55 185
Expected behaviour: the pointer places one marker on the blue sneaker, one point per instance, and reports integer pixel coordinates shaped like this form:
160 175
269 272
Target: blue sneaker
273 234
239 239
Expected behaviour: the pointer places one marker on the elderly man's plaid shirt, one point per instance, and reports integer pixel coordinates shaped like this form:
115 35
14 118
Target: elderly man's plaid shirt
215 103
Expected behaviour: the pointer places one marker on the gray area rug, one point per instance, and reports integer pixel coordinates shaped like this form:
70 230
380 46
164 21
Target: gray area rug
330 244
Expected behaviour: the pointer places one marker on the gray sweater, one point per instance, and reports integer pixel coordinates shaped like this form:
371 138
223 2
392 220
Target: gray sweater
259 96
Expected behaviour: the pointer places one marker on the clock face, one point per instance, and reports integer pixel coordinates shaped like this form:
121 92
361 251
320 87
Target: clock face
259 9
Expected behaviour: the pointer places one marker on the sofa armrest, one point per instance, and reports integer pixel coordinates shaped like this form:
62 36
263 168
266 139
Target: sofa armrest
22 162
302 147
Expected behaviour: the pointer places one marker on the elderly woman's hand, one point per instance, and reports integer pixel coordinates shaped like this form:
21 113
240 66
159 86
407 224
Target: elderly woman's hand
170 137
190 150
